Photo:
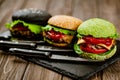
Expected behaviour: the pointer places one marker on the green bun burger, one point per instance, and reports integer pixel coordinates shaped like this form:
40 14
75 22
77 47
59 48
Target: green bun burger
61 30
96 39
28 23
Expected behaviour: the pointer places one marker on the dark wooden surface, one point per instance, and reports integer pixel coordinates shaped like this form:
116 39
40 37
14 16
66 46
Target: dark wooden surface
14 68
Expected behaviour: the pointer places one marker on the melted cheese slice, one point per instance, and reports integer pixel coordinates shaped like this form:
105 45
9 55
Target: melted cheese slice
80 41
107 47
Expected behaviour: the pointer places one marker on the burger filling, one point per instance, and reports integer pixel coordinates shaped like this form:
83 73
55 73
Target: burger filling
36 29
58 35
22 29
95 45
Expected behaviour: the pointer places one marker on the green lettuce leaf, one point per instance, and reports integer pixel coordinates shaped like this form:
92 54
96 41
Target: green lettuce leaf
32 27
103 56
64 31
77 49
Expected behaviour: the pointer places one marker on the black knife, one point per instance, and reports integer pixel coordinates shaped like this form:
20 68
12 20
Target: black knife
5 36
40 47
30 53
48 55
13 44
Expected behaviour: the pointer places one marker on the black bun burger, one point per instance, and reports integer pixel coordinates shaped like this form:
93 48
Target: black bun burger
96 39
28 23
61 30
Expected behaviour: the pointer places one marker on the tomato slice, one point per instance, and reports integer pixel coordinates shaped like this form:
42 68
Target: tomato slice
56 36
92 40
20 27
88 48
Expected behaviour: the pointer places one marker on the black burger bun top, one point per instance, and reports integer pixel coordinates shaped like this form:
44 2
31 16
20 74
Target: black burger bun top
31 15
64 21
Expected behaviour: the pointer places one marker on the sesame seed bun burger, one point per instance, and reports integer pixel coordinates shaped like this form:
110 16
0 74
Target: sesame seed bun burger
60 30
96 39
28 23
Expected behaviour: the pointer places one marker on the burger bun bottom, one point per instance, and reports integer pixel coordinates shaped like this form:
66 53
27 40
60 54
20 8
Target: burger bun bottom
55 44
102 56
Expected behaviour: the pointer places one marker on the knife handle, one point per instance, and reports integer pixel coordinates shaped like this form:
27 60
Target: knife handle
30 52
5 37
14 44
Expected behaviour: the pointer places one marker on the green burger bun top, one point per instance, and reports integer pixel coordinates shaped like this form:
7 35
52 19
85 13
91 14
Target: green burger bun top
97 28
96 39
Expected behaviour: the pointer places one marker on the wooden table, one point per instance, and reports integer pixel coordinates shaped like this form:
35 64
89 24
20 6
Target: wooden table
14 68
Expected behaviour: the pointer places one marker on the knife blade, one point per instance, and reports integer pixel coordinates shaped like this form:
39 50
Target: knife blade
18 44
52 49
5 36
9 44
27 52
49 55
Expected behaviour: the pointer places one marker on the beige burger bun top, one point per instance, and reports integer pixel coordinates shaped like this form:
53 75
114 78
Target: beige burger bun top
64 21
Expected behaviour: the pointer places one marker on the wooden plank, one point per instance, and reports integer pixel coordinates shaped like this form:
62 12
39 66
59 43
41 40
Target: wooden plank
56 7
117 23
32 72
50 75
108 10
6 12
11 67
96 76
112 72
1 1
85 9
39 4
35 72
65 78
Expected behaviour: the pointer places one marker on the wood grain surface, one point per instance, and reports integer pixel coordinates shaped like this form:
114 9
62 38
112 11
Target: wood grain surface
14 68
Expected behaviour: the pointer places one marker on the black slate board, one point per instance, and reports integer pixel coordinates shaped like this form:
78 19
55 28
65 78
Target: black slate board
76 70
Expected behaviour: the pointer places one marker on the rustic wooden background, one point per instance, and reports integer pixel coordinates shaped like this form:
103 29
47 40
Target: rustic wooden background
14 68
